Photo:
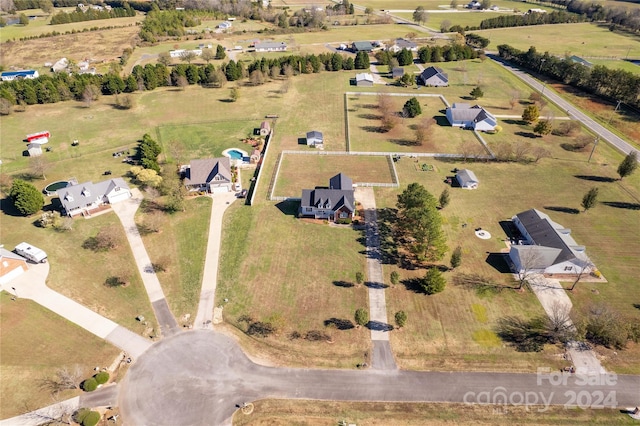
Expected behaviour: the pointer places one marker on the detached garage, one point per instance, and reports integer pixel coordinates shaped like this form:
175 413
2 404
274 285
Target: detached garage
467 179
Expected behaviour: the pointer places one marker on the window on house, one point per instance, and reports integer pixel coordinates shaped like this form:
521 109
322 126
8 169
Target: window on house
568 268
309 209
343 215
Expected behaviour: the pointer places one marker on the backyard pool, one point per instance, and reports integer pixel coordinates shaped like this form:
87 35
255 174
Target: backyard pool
53 187
236 154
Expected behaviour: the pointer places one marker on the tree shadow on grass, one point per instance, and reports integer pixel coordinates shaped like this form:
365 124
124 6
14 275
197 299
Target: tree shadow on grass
526 135
344 284
595 178
562 209
622 205
413 284
339 323
636 305
369 106
373 129
404 142
370 116
379 326
441 121
289 208
376 285
386 221
8 208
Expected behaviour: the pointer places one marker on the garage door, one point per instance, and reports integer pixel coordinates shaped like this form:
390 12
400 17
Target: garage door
219 189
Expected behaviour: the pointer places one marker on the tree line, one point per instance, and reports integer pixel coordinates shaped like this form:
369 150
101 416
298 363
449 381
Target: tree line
166 24
614 84
61 86
556 17
625 17
80 15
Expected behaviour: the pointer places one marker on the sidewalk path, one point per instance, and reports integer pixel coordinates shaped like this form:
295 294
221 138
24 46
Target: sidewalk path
382 356
552 296
46 415
126 211
204 317
377 78
31 285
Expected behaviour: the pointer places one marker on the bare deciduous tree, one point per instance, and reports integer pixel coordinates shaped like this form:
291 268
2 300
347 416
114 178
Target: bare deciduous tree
89 94
529 258
424 129
64 378
521 149
558 325
585 267
39 166
540 152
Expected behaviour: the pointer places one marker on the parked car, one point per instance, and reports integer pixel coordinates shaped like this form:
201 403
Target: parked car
243 194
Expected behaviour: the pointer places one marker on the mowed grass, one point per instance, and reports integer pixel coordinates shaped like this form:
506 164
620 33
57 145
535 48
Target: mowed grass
586 40
317 413
445 330
464 18
182 240
35 343
298 172
204 140
79 273
276 268
365 133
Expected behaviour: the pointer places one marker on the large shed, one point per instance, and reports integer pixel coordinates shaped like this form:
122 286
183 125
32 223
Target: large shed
467 179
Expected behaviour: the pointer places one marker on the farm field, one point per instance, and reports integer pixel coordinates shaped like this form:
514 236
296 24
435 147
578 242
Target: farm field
316 413
36 343
587 40
463 17
298 172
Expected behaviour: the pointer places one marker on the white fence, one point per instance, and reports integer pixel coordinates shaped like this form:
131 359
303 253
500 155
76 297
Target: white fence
267 142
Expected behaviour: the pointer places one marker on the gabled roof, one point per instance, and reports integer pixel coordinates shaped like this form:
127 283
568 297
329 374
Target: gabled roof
433 72
333 199
314 134
201 172
403 43
10 255
363 45
581 61
544 232
466 175
265 125
364 76
271 45
464 112
107 186
397 72
341 181
80 195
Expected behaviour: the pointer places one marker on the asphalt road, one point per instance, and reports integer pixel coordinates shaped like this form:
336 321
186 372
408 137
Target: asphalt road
201 377
571 109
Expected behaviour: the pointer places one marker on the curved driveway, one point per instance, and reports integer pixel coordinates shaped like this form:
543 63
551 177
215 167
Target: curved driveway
201 377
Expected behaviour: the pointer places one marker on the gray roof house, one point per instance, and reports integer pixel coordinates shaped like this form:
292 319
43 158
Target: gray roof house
397 72
209 175
335 203
433 76
84 197
547 247
271 47
473 117
315 138
467 179
581 61
362 46
364 79
402 43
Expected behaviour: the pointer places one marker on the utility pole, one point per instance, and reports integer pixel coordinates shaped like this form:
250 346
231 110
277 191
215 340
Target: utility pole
595 144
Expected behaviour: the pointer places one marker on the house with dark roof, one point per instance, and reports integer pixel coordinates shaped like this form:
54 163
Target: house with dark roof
315 138
209 175
364 79
546 247
335 203
402 43
433 76
19 75
467 179
85 197
11 265
362 46
471 117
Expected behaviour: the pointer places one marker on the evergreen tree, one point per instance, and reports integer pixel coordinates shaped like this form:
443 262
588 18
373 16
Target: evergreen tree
433 282
590 199
444 198
456 257
362 60
412 108
530 114
220 53
628 165
405 57
26 197
476 93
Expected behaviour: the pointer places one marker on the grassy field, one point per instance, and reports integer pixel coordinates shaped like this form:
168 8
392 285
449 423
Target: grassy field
299 172
364 124
587 40
316 413
183 241
35 343
553 186
463 17
273 273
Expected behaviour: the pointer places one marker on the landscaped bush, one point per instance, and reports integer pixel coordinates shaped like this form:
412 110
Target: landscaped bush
317 336
102 377
261 329
91 419
90 385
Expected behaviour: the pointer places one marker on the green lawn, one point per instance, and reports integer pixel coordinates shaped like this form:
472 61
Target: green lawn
183 241
36 343
298 172
463 17
587 40
271 269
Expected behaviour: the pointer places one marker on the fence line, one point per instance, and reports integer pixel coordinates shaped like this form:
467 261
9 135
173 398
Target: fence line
274 177
398 154
486 147
267 144
394 172
346 122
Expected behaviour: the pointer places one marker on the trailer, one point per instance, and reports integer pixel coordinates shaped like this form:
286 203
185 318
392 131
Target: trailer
32 253
38 135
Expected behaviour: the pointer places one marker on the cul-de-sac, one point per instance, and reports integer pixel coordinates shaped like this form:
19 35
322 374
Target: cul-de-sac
319 212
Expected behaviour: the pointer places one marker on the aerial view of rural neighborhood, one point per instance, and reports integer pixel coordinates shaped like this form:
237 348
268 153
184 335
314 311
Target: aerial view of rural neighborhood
319 212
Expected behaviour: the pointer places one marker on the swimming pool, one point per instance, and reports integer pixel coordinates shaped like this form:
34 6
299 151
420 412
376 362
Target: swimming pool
53 187
235 154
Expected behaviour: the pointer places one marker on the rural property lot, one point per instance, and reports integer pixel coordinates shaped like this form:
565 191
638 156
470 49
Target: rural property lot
298 172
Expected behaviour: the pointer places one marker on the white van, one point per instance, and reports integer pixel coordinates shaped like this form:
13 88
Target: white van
32 253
